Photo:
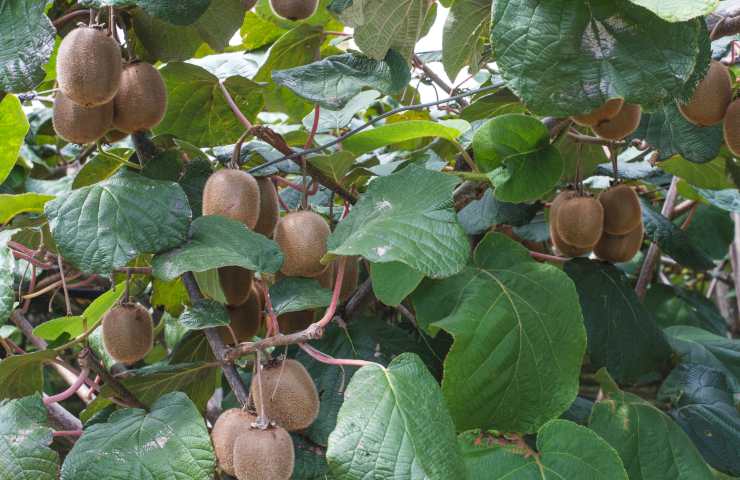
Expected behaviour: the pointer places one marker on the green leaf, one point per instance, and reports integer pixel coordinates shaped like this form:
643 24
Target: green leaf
196 109
678 306
668 132
23 375
177 12
335 165
25 439
727 199
330 120
391 133
170 295
519 338
193 182
333 81
104 226
13 124
7 282
394 281
463 28
678 10
606 50
652 446
394 420
711 175
479 215
169 441
694 345
26 44
98 168
622 334
672 240
406 217
564 450
205 314
295 294
712 230
219 242
12 205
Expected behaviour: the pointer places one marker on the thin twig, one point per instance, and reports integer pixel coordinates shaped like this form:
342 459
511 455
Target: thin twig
70 16
124 394
64 286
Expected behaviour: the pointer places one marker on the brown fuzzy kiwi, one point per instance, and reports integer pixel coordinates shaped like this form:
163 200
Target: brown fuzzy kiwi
622 210
562 247
229 425
617 249
246 319
302 237
234 194
128 332
114 136
264 454
711 97
293 322
605 112
249 4
269 208
622 125
326 279
89 67
294 9
236 283
141 102
78 124
289 395
579 221
731 128
351 277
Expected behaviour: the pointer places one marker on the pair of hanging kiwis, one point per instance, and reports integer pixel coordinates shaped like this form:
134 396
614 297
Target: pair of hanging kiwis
614 120
610 226
101 96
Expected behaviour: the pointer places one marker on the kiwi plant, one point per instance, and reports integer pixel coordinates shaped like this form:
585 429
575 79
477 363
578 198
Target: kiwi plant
229 425
78 124
620 248
622 211
294 9
709 102
288 394
302 238
246 319
621 125
561 246
141 101
603 113
128 332
269 208
234 194
579 221
264 454
236 283
731 128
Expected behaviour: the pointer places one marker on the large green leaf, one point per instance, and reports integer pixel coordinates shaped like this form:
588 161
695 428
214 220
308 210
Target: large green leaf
14 126
622 334
104 226
12 205
394 281
25 439
7 290
391 133
295 294
519 338
178 12
694 345
215 242
678 10
169 441
394 420
196 109
565 450
652 446
479 215
205 314
333 81
330 120
406 217
605 49
727 199
463 28
679 306
26 44
22 375
711 175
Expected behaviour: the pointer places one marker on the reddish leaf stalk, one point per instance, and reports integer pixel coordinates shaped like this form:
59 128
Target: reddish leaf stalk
71 390
329 360
67 433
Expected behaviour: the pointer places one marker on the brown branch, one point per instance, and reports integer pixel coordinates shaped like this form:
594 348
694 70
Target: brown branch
355 301
579 138
436 78
85 12
313 332
92 362
725 21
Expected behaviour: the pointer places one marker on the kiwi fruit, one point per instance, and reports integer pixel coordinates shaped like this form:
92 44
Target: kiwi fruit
114 136
236 283
128 332
293 322
709 102
351 278
626 122
78 124
229 425
302 238
326 279
89 67
620 248
294 9
264 454
579 221
622 211
732 128
141 101
269 208
605 112
246 319
560 246
234 194
289 395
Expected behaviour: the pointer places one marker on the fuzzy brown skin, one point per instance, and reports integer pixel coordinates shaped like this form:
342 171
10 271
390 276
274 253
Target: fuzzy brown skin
326 279
128 332
264 455
622 210
618 249
236 283
294 9
232 194
731 128
229 425
622 125
711 98
562 247
269 207
351 277
89 67
77 124
141 101
289 394
302 238
579 221
295 321
605 112
246 319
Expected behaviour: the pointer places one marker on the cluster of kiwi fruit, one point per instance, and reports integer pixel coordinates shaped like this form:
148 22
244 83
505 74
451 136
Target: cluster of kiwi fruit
100 97
294 9
614 120
610 225
128 332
